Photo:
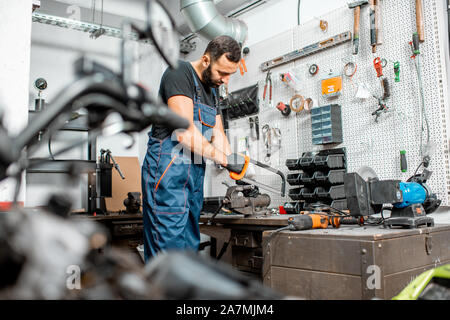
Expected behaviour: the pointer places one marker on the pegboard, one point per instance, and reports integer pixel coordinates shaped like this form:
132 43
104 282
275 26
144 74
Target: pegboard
367 143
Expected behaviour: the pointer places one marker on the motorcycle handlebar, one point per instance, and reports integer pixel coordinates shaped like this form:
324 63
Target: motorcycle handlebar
94 91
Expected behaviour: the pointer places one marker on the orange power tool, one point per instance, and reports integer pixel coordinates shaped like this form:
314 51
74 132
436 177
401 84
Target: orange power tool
313 221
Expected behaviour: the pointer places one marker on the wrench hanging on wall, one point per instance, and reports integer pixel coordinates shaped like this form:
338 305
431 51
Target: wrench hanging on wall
272 140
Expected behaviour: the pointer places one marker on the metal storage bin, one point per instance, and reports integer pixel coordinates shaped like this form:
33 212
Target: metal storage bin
293 179
306 162
340 204
294 194
326 124
333 161
333 177
293 207
293 164
332 193
306 178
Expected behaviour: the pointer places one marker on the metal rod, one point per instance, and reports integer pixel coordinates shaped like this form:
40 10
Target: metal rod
80 25
278 172
260 185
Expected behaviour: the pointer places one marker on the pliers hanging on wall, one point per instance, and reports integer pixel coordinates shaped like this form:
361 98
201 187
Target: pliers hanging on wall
382 106
242 67
268 82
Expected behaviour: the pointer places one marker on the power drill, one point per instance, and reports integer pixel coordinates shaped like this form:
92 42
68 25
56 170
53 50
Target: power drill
307 222
312 221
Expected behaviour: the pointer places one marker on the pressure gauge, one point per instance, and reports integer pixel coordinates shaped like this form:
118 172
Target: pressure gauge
40 84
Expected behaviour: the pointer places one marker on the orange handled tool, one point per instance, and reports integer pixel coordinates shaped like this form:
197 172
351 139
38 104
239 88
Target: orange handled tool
313 221
242 67
268 83
378 66
241 175
238 176
420 20
308 222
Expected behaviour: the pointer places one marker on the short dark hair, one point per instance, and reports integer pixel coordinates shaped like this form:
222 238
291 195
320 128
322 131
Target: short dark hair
224 44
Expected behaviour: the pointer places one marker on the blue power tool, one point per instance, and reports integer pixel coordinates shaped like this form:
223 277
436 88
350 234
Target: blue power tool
413 193
411 201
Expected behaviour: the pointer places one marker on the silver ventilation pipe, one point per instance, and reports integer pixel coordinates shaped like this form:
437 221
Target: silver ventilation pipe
205 20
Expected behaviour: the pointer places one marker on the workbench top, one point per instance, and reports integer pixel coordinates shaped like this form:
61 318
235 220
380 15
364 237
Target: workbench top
111 216
366 232
263 220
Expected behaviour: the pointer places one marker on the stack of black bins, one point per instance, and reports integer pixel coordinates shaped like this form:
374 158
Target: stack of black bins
319 180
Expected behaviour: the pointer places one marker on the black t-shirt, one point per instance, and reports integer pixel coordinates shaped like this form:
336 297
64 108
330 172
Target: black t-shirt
181 82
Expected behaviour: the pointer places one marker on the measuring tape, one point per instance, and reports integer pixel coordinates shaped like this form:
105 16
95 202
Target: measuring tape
309 103
313 69
323 25
350 69
297 103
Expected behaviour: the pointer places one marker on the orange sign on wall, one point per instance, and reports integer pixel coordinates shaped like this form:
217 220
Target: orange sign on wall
332 86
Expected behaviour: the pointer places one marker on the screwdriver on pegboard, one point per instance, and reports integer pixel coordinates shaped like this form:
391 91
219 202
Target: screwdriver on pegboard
403 161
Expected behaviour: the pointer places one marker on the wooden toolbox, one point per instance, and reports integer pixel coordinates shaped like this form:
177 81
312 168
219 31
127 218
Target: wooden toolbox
351 263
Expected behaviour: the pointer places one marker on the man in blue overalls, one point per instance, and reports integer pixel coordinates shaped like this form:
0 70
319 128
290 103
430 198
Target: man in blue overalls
174 167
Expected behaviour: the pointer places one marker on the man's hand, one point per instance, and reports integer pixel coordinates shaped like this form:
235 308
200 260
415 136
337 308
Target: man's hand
235 163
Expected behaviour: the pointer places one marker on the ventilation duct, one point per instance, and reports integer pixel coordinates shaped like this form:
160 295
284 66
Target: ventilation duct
205 20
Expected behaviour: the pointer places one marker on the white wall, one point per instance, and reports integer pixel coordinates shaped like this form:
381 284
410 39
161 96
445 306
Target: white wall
445 39
279 16
53 52
15 31
275 17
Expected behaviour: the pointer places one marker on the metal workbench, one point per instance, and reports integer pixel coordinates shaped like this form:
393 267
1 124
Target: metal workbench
238 240
351 262
125 230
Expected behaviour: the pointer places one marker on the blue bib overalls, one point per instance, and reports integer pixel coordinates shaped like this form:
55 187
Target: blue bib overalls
172 187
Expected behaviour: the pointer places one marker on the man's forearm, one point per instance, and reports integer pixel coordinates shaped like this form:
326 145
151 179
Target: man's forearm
220 140
197 143
221 143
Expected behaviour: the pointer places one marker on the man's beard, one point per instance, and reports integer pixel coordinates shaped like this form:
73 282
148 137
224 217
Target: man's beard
206 77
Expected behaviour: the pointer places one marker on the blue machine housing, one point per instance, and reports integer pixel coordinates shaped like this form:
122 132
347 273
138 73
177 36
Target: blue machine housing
413 193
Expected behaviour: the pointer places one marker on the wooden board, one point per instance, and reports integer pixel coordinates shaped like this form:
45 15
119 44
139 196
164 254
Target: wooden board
131 169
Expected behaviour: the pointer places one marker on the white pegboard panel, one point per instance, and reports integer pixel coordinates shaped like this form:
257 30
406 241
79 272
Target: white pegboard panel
368 143
281 44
